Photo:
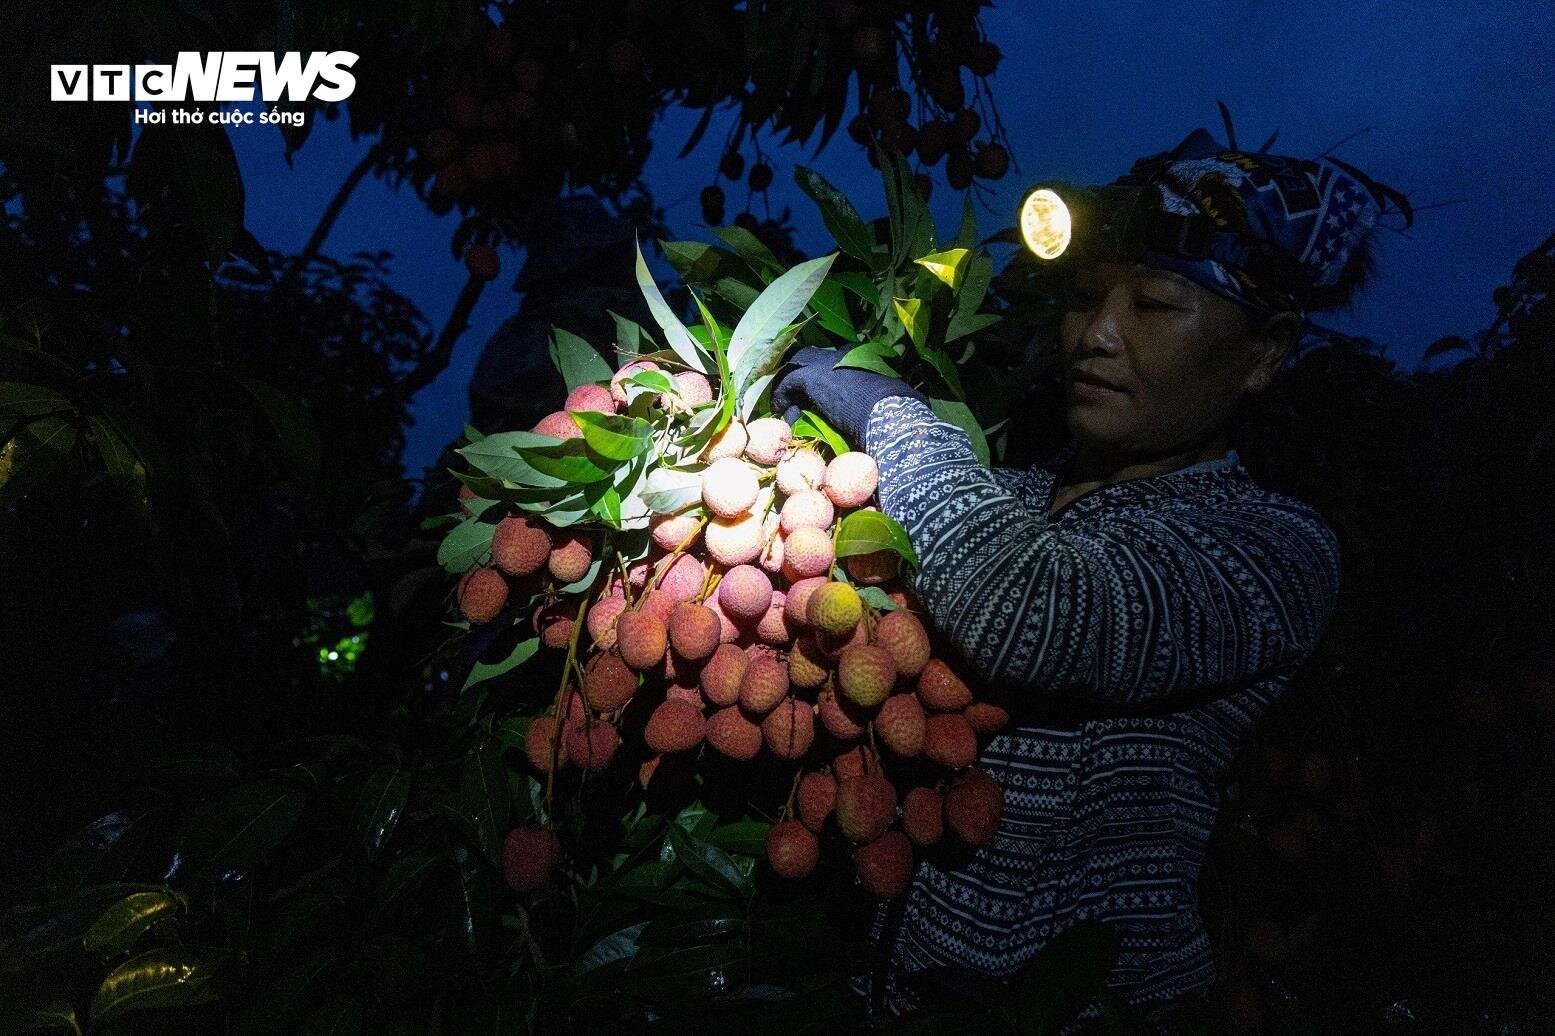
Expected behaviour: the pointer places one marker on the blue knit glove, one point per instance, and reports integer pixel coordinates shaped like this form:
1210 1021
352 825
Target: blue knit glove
844 396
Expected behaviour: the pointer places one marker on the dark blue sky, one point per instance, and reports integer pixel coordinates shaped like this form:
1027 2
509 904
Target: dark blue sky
1461 99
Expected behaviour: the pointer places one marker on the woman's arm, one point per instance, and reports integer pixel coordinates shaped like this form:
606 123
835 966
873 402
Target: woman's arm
1147 605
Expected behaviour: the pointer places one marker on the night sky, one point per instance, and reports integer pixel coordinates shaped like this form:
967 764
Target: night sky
1459 97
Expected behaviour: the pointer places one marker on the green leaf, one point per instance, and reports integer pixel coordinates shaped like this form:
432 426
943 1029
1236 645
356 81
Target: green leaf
750 248
966 234
842 220
612 436
293 424
865 532
746 837
959 414
654 381
912 230
18 399
570 461
404 876
877 599
121 925
244 825
948 266
707 862
578 362
480 672
379 806
465 545
670 490
477 903
55 1016
199 163
675 333
483 792
914 318
813 426
341 1017
831 309
960 326
172 976
1061 980
778 306
696 261
617 946
629 335
497 456
871 356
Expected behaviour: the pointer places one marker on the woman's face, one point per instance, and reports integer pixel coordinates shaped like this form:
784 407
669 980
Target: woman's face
1155 363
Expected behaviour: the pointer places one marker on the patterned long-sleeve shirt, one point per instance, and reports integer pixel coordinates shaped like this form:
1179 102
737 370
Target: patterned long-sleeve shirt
1136 637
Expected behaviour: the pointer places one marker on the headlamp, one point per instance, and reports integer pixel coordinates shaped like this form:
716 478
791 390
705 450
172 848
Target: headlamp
1064 220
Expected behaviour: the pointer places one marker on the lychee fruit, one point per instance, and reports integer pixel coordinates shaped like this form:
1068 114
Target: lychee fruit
923 816
900 725
595 398
942 690
986 719
808 665
842 719
772 548
807 552
519 545
692 389
569 560
558 425
466 493
618 382
733 541
865 807
789 729
853 761
806 510
865 674
728 629
553 622
601 620
592 745
669 531
796 605
773 626
694 631
767 439
732 733
885 865
835 608
973 806
537 744
949 741
482 262
607 682
722 674
684 692
764 684
792 850
901 634
874 568
681 579
641 637
745 592
815 798
729 442
729 487
851 479
657 602
675 726
801 471
529 855
482 594
832 645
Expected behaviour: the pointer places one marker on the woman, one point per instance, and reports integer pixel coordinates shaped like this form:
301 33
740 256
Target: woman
1137 603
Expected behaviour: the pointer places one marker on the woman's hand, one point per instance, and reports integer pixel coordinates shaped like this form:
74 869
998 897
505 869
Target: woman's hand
844 396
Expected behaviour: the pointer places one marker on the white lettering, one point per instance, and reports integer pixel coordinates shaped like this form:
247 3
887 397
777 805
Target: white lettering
194 76
341 83
151 82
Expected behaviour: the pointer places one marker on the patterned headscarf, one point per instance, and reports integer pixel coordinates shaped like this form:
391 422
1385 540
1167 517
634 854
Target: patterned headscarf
1285 225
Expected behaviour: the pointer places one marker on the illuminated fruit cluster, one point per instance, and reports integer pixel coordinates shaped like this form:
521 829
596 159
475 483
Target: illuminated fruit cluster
739 632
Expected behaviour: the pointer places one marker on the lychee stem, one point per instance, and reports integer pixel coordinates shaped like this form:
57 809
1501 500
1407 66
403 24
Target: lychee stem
793 791
560 704
680 548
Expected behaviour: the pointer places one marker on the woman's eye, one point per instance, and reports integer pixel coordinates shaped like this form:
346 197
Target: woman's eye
1146 302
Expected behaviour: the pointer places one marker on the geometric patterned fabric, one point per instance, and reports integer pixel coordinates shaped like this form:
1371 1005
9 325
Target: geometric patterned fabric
1136 638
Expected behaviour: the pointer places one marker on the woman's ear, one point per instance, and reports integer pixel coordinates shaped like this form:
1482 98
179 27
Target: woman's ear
1271 343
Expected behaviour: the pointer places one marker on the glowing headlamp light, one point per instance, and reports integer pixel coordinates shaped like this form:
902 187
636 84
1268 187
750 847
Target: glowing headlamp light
1062 220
